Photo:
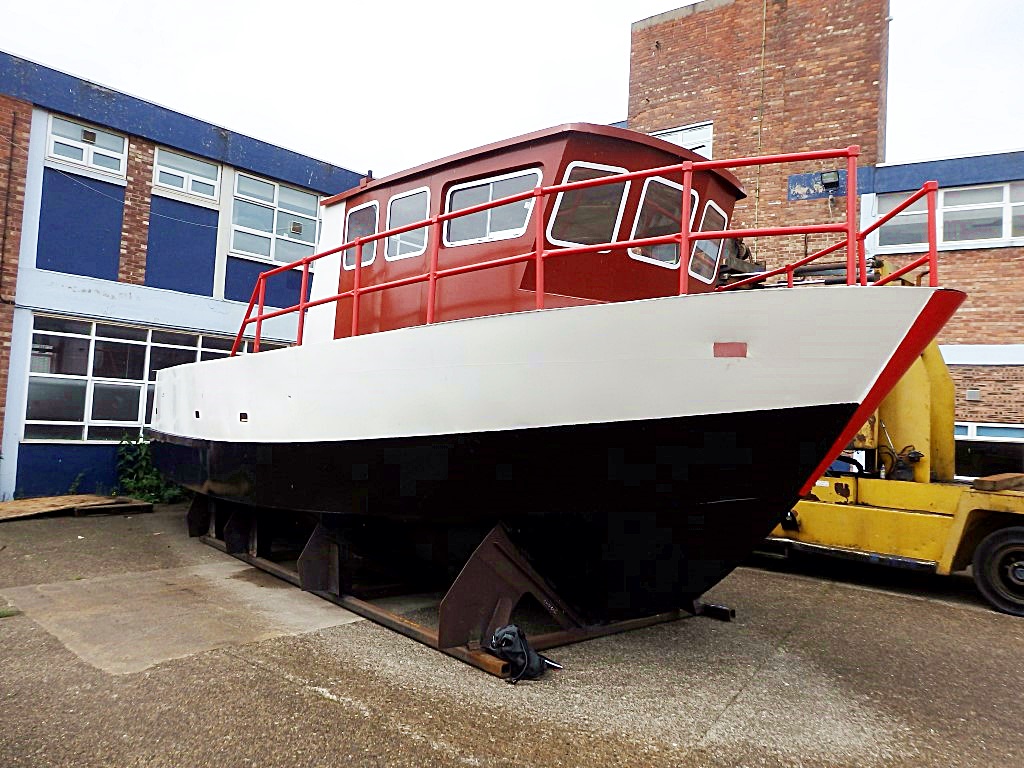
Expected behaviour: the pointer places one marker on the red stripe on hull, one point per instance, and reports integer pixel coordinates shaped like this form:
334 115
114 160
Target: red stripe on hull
936 312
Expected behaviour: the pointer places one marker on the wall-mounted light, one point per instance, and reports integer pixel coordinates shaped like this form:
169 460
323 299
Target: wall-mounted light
829 180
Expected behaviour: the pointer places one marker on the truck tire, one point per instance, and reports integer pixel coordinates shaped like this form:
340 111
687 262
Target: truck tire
998 567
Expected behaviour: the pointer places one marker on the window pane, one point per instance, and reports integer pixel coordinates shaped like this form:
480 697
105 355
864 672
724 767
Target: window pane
402 211
171 180
704 261
53 432
253 216
149 403
972 225
904 230
361 222
202 188
243 241
67 129
64 150
251 187
213 355
661 214
113 434
960 430
59 354
974 196
287 251
588 216
511 217
299 202
1017 192
165 357
112 360
106 161
56 399
109 141
218 342
1017 432
296 227
114 402
121 332
1018 221
887 202
474 225
61 325
181 339
186 164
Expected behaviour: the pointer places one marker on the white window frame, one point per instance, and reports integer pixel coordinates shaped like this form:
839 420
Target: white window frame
634 253
276 208
426 239
505 234
376 228
143 385
1006 206
669 135
88 149
693 251
614 169
188 177
973 436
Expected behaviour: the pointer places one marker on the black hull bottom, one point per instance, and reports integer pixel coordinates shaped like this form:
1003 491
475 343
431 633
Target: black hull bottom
623 519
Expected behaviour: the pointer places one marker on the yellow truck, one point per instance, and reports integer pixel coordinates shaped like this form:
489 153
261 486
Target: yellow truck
899 503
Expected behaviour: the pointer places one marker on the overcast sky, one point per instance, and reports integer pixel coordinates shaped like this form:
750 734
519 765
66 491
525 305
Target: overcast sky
387 85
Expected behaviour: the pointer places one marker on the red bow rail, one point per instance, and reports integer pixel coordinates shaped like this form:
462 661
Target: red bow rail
856 266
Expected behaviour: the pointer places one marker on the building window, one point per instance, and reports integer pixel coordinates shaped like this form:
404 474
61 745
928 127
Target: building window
965 217
697 137
403 209
186 174
706 253
272 221
94 381
988 449
89 147
360 222
660 214
591 215
502 223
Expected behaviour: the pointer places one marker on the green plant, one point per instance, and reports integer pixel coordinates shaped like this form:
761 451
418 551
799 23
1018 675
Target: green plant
138 478
76 483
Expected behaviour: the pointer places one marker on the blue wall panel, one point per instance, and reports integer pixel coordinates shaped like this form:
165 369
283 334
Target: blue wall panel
282 289
80 225
182 247
50 470
955 172
60 92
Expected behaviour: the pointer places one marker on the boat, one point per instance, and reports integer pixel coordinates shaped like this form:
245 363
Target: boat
504 349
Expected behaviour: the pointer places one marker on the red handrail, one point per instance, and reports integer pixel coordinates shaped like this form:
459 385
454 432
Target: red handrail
856 268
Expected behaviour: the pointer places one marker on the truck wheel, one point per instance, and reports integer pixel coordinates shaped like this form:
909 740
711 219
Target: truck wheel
999 569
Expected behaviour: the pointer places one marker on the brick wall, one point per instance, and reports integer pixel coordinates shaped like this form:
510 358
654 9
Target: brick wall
135 227
815 79
1001 388
15 122
993 279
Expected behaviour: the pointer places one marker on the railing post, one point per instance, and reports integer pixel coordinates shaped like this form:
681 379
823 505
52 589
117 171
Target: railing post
259 313
356 285
302 303
684 230
538 246
435 245
852 153
933 255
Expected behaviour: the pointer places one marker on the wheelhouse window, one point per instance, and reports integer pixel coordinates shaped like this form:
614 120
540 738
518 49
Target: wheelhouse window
86 146
659 214
360 222
501 223
186 174
591 215
706 253
272 221
95 381
407 208
965 216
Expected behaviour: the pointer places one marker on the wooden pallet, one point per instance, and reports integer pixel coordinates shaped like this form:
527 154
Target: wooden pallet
80 504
